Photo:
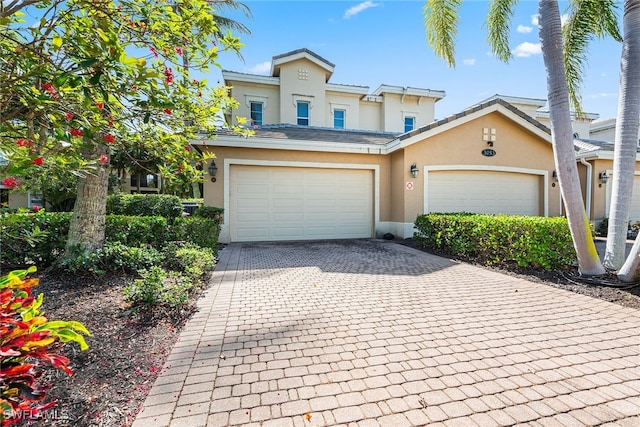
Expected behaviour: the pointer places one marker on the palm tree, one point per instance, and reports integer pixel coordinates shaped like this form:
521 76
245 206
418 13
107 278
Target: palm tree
441 17
625 148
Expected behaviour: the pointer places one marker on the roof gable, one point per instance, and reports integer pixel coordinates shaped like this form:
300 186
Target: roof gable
298 54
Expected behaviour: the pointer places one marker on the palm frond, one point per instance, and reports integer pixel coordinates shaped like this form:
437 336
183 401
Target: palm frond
498 24
441 21
587 19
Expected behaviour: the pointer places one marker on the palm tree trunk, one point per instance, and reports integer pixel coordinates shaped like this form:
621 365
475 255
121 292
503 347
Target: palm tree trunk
562 138
86 228
626 139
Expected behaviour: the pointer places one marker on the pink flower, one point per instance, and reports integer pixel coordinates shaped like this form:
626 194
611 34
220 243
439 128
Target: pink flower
76 132
104 158
168 75
10 182
48 87
187 147
24 143
38 161
69 116
167 111
36 208
100 105
179 51
109 138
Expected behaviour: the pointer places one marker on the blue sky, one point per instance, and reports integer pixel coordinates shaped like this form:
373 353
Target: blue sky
383 42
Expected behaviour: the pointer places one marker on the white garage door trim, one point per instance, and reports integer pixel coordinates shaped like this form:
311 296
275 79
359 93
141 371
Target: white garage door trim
225 232
543 173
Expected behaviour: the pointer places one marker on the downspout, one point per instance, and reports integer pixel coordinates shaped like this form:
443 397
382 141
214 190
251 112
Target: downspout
588 189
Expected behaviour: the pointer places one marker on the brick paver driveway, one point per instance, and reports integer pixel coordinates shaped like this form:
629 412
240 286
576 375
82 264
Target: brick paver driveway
370 332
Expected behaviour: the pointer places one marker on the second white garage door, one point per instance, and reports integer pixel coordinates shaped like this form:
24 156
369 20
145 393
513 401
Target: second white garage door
634 212
484 192
291 203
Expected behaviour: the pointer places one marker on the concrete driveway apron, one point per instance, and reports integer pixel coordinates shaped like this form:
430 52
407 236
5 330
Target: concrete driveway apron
369 332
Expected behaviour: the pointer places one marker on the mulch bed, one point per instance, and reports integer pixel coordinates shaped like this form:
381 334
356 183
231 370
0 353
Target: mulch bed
128 348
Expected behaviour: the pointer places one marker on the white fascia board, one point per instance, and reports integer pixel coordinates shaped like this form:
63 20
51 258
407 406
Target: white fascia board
300 55
250 78
606 124
287 144
534 102
357 90
396 144
413 91
588 116
600 155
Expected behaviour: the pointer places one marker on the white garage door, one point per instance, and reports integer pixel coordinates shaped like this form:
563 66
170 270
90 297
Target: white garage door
287 203
484 192
634 212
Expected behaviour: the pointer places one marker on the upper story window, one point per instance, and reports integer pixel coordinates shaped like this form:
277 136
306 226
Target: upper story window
256 113
338 119
303 113
409 123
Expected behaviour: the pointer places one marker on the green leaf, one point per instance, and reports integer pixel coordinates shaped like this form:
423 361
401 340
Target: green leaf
96 78
87 63
57 42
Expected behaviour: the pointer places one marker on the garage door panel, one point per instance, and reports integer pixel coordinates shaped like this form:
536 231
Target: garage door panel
484 192
300 203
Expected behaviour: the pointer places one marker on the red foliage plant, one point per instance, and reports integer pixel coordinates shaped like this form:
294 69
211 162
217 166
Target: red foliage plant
29 343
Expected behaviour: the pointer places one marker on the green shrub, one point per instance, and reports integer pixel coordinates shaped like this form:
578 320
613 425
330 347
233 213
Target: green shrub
130 259
529 242
136 231
19 249
189 258
148 289
203 232
210 212
159 287
163 205
603 227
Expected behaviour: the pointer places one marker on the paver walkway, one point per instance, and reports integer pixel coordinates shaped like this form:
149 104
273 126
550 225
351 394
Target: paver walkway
370 332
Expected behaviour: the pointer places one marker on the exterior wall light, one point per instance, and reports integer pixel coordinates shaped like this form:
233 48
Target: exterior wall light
213 169
603 177
554 175
414 170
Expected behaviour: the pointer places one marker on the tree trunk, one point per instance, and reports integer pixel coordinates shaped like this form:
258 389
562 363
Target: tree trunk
626 138
562 138
86 229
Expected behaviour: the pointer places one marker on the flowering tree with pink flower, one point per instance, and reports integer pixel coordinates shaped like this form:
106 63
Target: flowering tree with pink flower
83 79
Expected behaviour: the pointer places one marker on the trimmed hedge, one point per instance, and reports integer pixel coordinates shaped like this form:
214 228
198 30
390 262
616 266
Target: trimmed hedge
530 242
18 251
144 205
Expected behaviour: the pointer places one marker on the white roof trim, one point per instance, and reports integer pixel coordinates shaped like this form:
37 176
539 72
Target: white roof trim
287 144
250 78
588 116
413 91
276 62
397 144
534 102
356 90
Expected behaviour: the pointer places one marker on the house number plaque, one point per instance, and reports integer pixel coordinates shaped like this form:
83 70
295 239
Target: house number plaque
488 152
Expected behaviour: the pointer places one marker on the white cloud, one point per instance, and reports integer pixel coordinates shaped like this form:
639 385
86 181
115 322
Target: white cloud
353 11
524 29
534 20
526 49
262 68
603 95
470 61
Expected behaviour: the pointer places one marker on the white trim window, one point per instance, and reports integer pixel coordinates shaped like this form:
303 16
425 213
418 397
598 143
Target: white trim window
409 123
302 113
256 113
339 119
